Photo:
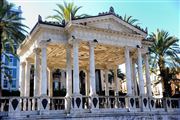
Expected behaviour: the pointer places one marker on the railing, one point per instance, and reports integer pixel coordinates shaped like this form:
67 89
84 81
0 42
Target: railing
4 106
57 103
111 102
107 103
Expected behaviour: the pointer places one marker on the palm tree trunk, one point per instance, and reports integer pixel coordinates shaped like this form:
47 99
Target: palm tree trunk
1 59
164 73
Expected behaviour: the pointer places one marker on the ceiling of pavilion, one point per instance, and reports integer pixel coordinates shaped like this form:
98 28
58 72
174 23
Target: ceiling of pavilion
105 56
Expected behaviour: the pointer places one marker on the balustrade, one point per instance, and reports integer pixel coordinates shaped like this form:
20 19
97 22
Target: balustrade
26 104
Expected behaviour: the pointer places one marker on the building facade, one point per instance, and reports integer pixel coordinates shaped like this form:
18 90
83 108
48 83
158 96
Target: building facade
12 63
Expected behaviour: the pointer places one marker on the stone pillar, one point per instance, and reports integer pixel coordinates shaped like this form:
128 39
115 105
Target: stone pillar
144 99
92 69
22 78
140 72
106 83
68 78
75 68
94 98
77 97
87 83
68 71
36 72
134 78
50 82
148 80
128 72
116 81
27 77
43 71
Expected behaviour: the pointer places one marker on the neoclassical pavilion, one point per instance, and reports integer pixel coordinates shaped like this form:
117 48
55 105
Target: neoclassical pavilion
97 42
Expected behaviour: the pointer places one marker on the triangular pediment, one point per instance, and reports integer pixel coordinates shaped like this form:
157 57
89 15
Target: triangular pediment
109 22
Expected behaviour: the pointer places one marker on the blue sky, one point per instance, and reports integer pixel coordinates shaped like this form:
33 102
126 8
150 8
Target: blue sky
162 14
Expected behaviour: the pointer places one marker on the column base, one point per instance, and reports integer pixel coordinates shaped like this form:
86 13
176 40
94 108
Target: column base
68 103
44 104
130 103
144 103
94 102
76 102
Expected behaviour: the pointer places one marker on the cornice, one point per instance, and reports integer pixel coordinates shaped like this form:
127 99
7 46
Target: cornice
122 34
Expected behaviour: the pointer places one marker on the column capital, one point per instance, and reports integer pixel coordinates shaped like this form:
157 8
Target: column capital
92 43
30 60
68 45
73 41
37 50
43 44
23 63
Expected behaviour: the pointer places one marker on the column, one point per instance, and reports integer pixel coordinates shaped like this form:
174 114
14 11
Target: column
36 72
43 71
134 78
27 77
50 82
140 72
68 78
106 83
116 81
75 68
22 77
128 71
68 71
92 69
148 80
87 83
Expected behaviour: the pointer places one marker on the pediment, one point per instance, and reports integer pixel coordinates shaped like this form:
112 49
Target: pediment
109 22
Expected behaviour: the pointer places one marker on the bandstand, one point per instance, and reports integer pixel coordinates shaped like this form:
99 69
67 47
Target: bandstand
97 42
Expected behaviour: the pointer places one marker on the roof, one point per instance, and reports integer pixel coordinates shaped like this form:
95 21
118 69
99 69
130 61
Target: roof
111 12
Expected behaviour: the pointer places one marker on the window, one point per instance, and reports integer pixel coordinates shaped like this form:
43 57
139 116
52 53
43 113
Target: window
6 61
5 85
14 62
13 83
13 73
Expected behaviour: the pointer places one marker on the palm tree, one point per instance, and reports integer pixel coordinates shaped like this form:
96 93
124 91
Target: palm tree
164 54
11 31
130 20
66 13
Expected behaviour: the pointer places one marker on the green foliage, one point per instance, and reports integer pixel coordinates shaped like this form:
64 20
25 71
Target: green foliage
130 20
66 12
165 54
11 31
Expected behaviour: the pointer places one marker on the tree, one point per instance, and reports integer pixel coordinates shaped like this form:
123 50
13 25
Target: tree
130 20
11 32
66 13
164 54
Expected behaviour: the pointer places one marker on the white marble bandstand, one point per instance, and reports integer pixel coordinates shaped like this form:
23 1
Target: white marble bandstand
98 42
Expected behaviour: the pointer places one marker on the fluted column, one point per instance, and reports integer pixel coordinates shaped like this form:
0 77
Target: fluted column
27 77
148 80
92 69
140 72
75 68
128 71
43 71
22 77
36 71
68 71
